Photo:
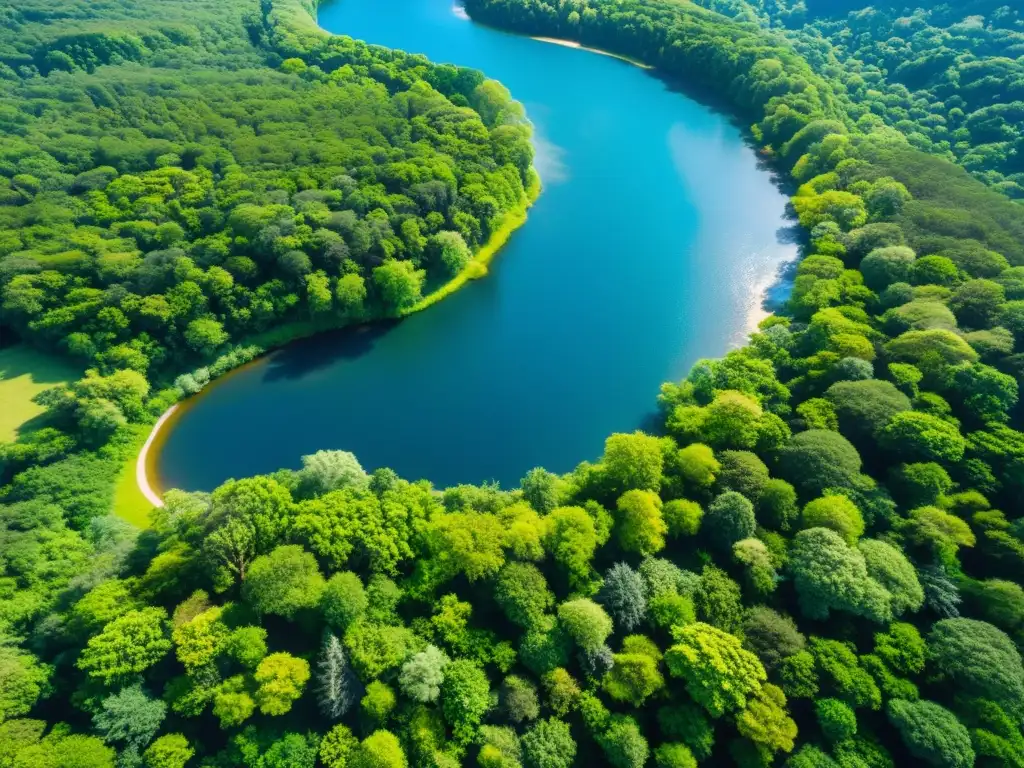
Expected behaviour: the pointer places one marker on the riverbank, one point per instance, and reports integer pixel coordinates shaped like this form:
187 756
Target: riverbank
141 462
579 46
627 271
478 265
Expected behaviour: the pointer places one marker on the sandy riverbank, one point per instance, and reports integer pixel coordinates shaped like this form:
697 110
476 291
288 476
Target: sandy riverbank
580 46
141 473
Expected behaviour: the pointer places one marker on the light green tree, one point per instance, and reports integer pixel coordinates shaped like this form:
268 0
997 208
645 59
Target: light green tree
281 679
128 645
719 674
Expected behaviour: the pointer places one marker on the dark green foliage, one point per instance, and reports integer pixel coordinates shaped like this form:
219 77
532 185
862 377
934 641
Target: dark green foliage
829 574
921 484
837 721
743 472
343 600
687 724
890 568
884 266
730 517
799 676
978 659
522 593
130 718
82 485
770 635
777 507
864 407
717 599
623 744
545 650
941 594
623 596
998 602
518 699
932 733
818 459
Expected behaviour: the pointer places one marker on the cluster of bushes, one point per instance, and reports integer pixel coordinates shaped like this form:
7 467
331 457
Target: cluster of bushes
816 561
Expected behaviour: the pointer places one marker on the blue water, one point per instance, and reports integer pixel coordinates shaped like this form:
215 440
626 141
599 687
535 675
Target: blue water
655 233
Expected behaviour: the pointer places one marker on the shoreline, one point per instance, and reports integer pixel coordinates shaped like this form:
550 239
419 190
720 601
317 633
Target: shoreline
755 315
476 268
141 461
580 47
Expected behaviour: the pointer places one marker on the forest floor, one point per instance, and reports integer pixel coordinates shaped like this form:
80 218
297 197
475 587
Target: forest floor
24 373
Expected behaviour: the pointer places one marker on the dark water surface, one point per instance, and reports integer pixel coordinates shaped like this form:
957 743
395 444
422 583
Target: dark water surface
655 233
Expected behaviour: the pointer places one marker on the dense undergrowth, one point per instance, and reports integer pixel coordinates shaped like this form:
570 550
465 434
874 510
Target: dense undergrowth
817 562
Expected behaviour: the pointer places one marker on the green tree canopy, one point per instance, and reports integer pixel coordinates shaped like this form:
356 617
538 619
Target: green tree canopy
719 674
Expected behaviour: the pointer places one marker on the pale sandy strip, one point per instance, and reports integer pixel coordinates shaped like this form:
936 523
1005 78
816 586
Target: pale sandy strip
140 463
578 46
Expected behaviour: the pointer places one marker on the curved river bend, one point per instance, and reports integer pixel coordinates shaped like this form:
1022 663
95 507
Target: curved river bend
648 249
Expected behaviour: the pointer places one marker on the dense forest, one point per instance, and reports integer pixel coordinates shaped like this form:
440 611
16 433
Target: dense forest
816 561
948 76
153 207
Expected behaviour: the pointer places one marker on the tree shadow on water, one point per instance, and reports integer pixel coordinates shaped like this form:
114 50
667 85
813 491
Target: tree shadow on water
303 357
792 234
653 423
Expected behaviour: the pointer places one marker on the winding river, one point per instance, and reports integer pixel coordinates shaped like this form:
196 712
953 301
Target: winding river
651 245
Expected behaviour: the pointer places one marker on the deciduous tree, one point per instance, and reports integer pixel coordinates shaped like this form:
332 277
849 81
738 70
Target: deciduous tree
281 679
719 674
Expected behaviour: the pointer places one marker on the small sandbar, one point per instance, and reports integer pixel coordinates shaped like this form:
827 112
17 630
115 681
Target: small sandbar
580 46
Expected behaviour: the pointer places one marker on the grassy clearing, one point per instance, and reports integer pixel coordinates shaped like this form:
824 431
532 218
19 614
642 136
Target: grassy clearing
130 504
24 373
